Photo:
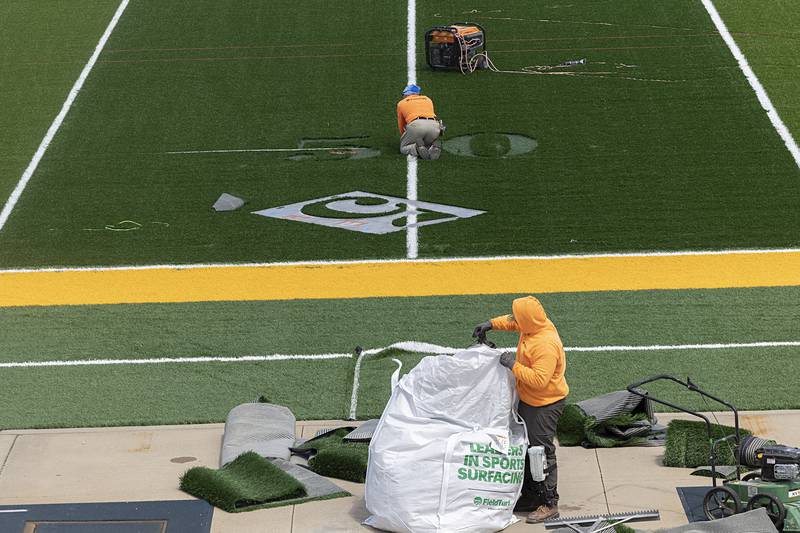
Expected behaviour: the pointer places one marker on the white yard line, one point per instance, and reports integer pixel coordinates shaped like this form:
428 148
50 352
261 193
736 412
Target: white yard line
409 346
185 360
763 98
193 266
51 132
412 231
238 151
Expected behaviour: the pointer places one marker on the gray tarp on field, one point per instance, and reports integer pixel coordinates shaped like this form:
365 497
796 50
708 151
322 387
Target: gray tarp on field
264 428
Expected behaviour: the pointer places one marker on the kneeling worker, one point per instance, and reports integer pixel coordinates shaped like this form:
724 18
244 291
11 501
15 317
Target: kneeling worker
538 365
418 125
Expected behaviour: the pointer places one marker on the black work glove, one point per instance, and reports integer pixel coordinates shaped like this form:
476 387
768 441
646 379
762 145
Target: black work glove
508 359
481 329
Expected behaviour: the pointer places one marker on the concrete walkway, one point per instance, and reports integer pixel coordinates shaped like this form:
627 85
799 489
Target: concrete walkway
144 464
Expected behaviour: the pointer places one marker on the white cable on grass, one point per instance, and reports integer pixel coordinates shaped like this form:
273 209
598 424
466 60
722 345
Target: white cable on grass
761 94
54 127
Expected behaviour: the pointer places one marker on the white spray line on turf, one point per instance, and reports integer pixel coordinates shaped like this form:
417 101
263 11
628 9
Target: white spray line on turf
412 231
763 98
267 150
278 264
54 127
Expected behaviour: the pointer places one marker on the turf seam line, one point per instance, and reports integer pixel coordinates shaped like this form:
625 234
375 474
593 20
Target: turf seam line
761 93
56 124
191 266
407 346
240 150
412 231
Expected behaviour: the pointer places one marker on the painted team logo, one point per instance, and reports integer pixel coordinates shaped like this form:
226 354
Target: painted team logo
368 212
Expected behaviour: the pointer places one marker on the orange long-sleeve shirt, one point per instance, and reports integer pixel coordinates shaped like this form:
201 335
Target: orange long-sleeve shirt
413 107
541 361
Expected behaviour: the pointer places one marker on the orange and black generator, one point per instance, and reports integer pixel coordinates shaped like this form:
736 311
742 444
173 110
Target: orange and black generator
454 47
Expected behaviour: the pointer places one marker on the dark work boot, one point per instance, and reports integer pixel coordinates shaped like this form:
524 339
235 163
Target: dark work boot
544 512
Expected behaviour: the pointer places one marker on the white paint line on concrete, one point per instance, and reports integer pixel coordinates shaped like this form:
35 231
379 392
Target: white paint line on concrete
761 93
54 127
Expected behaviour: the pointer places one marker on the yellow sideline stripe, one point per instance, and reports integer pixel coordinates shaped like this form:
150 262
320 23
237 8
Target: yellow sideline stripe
287 282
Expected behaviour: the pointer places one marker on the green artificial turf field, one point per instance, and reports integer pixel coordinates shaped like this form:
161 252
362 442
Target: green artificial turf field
321 389
43 47
767 33
657 143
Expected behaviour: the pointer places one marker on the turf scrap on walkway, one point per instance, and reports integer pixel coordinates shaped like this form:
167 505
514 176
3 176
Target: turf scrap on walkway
336 457
618 418
252 482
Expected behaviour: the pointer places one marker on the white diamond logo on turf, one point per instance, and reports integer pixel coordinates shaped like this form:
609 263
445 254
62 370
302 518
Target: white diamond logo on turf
368 212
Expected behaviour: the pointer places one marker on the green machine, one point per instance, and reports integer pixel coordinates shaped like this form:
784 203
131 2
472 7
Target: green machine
776 488
773 485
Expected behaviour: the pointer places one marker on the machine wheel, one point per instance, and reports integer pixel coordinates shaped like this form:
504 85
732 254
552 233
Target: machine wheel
751 475
721 502
775 509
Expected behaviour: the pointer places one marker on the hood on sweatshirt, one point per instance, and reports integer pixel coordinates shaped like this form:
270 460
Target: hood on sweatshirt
529 314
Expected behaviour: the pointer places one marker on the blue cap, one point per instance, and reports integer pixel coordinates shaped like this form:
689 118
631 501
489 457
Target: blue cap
411 89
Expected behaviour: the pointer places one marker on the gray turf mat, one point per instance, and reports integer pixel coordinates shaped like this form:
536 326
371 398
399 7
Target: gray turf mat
264 428
316 486
363 432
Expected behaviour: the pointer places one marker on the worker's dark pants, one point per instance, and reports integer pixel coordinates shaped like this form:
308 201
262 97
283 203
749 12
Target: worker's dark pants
542 423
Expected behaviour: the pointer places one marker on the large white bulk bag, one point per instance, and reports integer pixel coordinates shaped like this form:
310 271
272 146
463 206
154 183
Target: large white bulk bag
449 451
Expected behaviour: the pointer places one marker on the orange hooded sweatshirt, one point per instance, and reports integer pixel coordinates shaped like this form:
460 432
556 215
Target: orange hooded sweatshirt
541 360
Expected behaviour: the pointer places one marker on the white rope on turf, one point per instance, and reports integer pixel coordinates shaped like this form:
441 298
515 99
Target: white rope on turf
54 127
761 93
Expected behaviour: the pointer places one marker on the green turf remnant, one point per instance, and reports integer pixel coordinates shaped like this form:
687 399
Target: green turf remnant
248 482
571 427
337 458
348 462
687 444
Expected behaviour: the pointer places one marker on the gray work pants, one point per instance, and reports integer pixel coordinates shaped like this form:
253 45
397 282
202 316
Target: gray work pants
541 423
419 139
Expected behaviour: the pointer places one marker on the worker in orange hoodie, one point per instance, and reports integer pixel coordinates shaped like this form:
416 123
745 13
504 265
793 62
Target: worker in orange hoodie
418 125
538 365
